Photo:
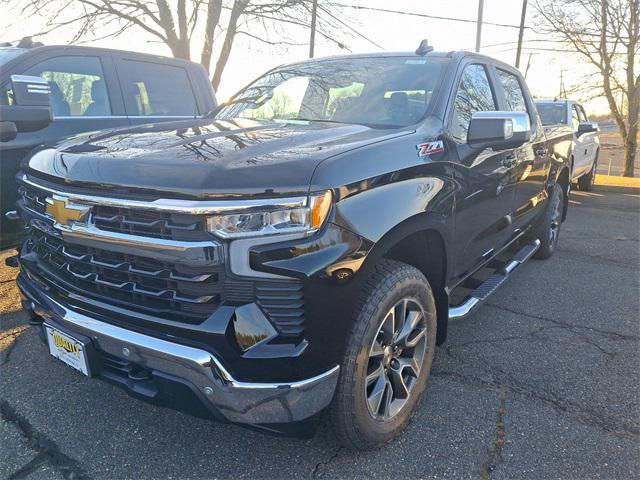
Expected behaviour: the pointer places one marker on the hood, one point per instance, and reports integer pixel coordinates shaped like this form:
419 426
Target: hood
205 159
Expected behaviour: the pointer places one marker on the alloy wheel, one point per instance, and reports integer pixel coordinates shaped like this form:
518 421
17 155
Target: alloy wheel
396 358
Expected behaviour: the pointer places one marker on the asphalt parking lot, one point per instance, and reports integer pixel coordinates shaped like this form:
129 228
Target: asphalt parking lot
542 382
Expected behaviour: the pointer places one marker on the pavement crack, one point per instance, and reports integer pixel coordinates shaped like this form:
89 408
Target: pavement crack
570 326
497 379
47 450
494 453
334 455
12 336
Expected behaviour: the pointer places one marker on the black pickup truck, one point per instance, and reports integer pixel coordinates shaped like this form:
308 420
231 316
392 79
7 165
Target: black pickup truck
304 249
93 89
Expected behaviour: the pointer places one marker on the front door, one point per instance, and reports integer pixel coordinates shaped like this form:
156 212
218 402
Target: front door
485 179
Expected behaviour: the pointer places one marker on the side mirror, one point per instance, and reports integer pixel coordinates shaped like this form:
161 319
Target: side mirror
31 109
499 130
587 127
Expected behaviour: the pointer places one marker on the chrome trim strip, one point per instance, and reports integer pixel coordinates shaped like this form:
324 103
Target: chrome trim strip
194 207
238 401
201 253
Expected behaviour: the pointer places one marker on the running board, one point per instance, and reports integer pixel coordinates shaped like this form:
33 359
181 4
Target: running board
492 283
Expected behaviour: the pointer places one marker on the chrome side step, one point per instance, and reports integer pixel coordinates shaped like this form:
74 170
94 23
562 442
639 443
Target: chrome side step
492 283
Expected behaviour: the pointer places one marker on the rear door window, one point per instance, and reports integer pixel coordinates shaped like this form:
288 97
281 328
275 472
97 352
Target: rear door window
77 86
512 91
153 89
474 95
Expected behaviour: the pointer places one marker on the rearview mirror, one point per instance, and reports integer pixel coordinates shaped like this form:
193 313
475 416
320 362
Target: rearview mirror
587 127
31 108
498 130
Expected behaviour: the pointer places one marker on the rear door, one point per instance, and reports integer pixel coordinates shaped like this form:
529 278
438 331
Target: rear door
532 160
485 179
157 92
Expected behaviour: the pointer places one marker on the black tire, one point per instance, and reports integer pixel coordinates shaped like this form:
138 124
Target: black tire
391 285
585 182
549 228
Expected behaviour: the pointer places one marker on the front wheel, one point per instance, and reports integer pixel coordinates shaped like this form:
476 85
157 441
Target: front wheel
388 357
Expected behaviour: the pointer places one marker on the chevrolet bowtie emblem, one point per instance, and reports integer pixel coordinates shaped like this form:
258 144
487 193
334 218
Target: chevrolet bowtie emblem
65 211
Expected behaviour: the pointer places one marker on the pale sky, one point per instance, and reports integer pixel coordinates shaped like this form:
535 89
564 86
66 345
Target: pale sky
250 57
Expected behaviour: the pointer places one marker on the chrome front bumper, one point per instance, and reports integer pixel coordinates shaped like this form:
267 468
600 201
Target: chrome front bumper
237 401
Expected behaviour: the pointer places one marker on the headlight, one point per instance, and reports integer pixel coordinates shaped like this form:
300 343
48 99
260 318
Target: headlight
306 219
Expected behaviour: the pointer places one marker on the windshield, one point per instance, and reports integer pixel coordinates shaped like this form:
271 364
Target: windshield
379 92
552 113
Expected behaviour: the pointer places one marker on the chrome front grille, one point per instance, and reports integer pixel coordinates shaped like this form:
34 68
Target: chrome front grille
173 226
138 283
145 223
152 261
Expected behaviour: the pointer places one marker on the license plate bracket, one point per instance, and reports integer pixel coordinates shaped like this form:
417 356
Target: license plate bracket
68 348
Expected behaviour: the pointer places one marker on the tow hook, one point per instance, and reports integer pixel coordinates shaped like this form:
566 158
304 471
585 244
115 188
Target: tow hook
12 261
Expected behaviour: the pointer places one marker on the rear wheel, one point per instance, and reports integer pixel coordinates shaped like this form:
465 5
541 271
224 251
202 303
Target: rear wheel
388 357
549 228
585 182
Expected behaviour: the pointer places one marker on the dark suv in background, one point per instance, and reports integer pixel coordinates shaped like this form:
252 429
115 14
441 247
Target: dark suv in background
95 89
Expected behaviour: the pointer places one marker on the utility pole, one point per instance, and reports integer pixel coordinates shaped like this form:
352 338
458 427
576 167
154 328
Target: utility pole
562 89
312 39
528 65
521 33
479 25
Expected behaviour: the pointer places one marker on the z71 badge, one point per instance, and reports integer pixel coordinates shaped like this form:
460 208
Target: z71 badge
430 148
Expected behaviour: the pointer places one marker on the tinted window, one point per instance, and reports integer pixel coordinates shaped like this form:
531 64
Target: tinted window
575 117
552 113
379 92
474 95
77 85
583 116
156 89
512 91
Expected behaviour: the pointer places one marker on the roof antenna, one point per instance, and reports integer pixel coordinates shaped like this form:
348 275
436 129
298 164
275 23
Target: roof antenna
424 48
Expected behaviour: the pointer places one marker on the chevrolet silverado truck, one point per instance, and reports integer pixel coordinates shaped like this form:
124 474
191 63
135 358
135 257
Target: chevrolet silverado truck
92 89
586 140
302 251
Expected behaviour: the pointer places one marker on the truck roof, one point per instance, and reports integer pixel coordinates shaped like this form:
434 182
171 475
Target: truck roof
98 50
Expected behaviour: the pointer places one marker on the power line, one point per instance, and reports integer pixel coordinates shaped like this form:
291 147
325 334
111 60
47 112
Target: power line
424 15
350 28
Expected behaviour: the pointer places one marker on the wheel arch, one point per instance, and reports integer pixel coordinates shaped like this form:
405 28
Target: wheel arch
564 180
421 242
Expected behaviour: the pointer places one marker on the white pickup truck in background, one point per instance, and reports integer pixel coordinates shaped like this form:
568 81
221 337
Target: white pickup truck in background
586 141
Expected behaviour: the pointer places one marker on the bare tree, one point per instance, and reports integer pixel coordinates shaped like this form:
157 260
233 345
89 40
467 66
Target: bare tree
173 22
606 33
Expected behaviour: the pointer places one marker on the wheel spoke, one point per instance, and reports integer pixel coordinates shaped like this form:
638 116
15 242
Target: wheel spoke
375 374
400 317
375 398
414 340
376 349
412 320
408 364
388 397
388 326
400 388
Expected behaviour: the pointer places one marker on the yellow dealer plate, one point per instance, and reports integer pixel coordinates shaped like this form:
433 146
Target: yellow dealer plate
67 349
